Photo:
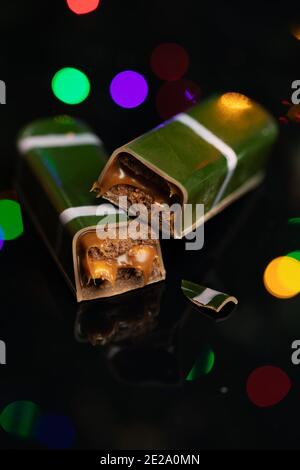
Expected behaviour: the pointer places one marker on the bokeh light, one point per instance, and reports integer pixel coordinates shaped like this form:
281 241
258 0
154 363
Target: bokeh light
235 101
169 61
267 386
82 7
283 120
10 219
203 364
176 97
55 431
295 30
294 113
20 419
71 86
294 220
282 277
1 238
129 89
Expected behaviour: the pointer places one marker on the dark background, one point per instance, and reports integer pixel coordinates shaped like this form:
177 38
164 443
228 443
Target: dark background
142 400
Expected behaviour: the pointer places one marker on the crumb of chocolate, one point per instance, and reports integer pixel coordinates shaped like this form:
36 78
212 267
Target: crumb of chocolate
95 253
114 248
137 196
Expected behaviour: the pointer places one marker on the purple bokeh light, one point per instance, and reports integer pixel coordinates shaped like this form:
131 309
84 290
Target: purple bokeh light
1 238
129 89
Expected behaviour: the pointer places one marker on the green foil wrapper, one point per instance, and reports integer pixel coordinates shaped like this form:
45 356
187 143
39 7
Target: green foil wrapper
212 154
60 158
206 298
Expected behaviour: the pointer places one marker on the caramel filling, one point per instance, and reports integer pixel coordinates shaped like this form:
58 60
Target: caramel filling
120 174
96 265
142 257
100 269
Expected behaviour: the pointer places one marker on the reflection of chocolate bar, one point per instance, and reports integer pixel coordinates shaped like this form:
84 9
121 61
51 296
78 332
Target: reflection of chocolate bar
210 155
139 345
90 242
115 320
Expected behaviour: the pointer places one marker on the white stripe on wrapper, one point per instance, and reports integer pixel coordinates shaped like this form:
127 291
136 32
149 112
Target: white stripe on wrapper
215 141
84 211
70 140
57 140
206 296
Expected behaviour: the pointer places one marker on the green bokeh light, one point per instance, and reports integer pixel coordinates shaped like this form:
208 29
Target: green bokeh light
295 220
71 86
203 364
20 418
294 254
11 219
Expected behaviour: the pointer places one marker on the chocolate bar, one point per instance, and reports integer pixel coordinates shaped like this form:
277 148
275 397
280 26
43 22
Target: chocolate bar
90 242
210 155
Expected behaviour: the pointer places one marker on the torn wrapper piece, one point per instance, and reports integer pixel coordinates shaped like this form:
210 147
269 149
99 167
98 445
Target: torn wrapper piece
210 299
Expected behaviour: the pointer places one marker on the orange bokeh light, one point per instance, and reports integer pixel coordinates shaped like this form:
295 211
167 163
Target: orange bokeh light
282 277
235 101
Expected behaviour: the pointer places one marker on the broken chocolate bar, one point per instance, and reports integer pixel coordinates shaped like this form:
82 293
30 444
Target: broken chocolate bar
91 243
210 155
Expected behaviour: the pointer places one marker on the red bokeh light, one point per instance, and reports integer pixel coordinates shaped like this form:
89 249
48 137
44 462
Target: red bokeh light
176 97
169 61
82 7
267 386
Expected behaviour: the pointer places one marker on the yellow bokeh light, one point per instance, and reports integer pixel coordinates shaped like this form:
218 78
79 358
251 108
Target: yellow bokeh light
235 101
282 277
